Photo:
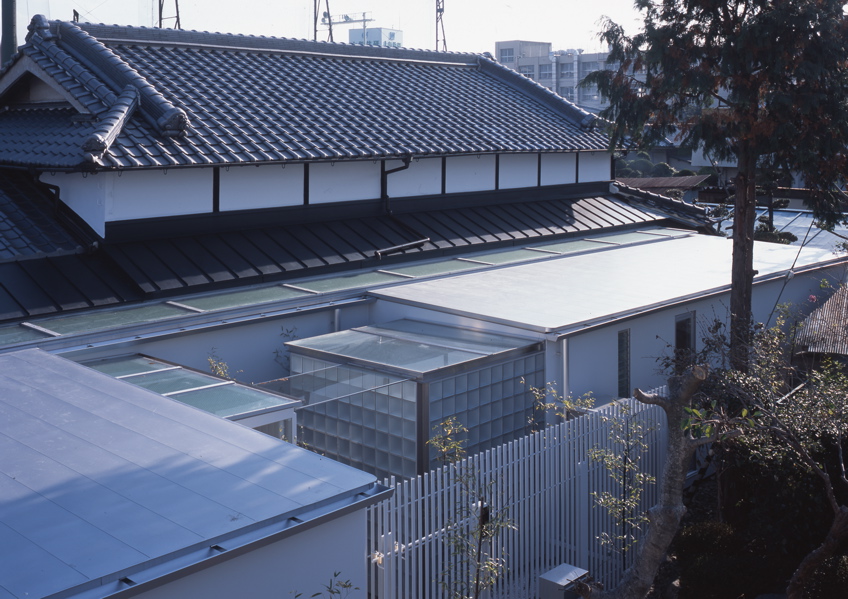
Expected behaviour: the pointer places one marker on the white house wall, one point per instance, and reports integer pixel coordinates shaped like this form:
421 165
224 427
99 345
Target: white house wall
157 193
86 195
344 181
302 563
469 173
518 170
423 177
267 186
559 169
594 166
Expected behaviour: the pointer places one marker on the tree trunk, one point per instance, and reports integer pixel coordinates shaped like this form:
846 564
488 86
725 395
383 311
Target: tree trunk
742 268
806 570
664 518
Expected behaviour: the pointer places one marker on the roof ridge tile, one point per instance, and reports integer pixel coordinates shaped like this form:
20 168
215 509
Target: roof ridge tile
111 125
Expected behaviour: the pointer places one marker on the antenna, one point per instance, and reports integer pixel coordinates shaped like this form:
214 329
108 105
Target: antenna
440 26
175 18
329 20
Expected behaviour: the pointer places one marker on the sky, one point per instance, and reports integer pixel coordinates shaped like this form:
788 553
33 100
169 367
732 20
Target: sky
470 25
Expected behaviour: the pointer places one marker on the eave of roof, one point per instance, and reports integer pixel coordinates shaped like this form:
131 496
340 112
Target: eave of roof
340 102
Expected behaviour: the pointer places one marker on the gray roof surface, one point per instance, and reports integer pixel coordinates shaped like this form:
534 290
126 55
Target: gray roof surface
100 479
593 287
825 331
170 97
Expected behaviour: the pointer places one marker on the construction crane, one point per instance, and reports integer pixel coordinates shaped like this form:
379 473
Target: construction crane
175 18
440 26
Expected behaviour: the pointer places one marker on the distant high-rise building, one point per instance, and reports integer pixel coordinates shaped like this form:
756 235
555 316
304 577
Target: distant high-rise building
377 36
559 70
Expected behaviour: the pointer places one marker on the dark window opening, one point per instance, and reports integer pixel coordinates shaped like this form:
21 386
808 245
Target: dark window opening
624 363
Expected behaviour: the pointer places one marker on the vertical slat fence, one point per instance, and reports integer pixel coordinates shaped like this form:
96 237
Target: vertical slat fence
545 483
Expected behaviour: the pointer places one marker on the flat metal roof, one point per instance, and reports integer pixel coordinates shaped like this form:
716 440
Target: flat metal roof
572 292
100 479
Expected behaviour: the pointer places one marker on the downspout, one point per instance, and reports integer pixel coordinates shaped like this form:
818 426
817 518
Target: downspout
384 198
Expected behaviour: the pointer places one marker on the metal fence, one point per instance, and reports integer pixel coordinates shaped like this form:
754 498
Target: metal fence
545 484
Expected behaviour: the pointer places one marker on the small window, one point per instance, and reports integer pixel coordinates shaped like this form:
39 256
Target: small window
624 363
545 71
527 70
507 55
684 341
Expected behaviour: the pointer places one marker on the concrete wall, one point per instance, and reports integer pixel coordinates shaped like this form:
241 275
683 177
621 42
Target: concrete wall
423 177
299 564
518 170
559 169
469 173
344 181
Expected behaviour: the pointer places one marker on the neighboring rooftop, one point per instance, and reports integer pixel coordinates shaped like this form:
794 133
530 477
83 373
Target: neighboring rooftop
101 481
825 331
662 185
596 287
126 97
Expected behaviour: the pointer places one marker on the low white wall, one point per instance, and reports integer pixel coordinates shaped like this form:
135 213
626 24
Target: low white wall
594 166
156 193
302 563
518 170
423 177
470 173
85 195
344 181
267 186
559 169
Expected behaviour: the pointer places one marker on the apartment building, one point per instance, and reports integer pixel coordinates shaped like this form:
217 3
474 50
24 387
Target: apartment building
558 70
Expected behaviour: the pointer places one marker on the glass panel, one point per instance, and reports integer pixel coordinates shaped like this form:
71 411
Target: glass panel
126 365
436 268
567 247
171 380
508 256
348 282
231 400
18 334
631 237
243 298
478 341
108 319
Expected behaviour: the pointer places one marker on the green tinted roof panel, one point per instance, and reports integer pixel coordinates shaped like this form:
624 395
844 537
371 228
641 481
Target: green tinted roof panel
107 319
232 400
234 299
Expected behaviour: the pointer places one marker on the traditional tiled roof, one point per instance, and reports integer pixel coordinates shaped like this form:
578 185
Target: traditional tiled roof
206 99
27 229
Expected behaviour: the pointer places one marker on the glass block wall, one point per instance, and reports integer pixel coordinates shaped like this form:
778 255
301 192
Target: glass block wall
492 402
356 416
370 419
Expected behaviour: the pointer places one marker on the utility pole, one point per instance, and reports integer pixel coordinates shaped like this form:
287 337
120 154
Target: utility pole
163 18
9 41
440 26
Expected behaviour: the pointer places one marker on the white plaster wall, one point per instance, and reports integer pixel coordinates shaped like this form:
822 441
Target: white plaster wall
470 173
85 195
594 166
344 181
301 563
160 192
518 170
559 169
423 177
267 186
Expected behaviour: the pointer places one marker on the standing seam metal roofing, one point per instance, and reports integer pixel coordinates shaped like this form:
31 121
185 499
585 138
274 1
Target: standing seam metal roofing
225 99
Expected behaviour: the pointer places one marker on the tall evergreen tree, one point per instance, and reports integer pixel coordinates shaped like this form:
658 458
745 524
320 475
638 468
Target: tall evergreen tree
751 80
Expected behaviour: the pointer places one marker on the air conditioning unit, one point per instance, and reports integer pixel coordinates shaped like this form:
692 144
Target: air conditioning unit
559 583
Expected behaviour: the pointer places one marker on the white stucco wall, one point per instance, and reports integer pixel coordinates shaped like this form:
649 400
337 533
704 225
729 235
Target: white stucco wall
85 195
344 181
299 564
469 173
559 169
267 186
518 170
594 166
157 193
423 177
